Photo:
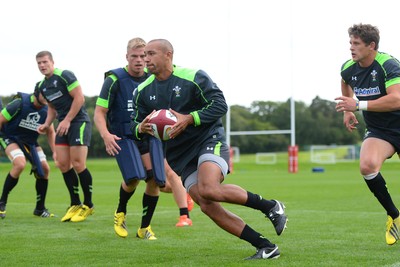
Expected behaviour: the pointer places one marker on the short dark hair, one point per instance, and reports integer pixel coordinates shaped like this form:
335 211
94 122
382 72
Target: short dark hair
45 53
366 32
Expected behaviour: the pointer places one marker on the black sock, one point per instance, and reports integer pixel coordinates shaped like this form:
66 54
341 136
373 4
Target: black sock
41 190
9 184
123 199
254 238
378 187
72 183
86 181
184 211
149 206
259 203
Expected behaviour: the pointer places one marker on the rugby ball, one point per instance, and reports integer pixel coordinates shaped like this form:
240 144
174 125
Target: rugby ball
161 122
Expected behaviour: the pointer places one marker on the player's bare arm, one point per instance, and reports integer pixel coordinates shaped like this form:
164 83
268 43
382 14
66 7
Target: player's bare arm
77 103
112 148
51 115
387 103
347 104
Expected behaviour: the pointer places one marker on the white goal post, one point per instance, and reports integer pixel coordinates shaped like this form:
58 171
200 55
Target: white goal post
333 153
235 156
266 158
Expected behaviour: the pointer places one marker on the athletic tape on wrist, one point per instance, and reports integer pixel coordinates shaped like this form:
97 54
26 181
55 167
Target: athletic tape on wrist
363 105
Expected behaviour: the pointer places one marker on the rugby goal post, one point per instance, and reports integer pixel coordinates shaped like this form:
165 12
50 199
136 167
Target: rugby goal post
266 158
331 154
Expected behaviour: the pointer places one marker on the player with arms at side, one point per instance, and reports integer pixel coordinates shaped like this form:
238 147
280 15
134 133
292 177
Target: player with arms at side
73 133
18 124
197 150
374 78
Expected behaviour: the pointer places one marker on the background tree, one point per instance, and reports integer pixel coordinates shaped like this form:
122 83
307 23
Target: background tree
316 124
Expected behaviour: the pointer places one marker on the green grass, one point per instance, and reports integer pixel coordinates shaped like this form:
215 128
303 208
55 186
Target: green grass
333 221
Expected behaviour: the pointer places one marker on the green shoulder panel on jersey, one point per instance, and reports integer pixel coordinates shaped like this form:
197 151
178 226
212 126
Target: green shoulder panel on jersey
184 73
110 75
146 82
382 57
349 63
39 84
71 86
58 72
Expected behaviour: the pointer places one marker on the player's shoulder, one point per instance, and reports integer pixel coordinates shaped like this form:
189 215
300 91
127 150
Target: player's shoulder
146 83
187 73
15 104
387 61
116 73
64 74
347 64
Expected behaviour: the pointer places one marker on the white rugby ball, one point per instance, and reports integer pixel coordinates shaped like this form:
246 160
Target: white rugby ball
161 121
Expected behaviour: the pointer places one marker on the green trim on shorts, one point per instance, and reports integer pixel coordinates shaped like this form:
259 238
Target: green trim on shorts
2 143
82 131
217 150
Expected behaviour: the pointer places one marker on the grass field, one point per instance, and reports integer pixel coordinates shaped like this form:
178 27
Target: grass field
333 221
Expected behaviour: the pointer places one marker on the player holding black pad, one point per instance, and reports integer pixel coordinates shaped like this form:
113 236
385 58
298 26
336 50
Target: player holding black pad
18 123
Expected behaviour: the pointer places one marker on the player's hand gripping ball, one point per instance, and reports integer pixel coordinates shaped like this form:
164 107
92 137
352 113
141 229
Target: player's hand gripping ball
161 122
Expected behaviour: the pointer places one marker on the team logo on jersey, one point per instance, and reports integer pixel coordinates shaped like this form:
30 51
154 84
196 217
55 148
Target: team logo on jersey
177 91
373 74
55 83
152 97
30 122
354 78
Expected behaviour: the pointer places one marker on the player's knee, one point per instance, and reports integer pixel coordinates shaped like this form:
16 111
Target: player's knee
209 193
152 188
208 208
64 166
166 189
78 165
129 187
46 169
368 167
19 164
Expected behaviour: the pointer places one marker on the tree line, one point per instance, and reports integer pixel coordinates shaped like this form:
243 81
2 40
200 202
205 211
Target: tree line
315 124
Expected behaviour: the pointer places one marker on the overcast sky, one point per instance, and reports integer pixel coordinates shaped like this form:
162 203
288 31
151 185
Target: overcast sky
254 50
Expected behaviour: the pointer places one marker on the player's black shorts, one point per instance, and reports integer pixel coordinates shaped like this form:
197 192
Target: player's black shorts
5 142
390 137
79 134
213 147
143 145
